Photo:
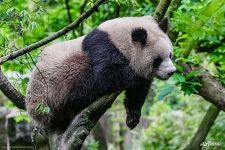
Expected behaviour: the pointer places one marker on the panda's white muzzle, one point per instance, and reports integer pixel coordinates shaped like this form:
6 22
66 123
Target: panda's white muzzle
165 70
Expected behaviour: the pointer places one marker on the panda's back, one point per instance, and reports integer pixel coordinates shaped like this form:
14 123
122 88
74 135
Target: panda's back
60 67
61 61
59 52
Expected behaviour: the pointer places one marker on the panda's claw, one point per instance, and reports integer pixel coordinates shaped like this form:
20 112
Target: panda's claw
132 120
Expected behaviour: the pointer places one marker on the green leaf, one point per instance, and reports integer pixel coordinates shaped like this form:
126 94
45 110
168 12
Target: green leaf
42 109
178 78
194 73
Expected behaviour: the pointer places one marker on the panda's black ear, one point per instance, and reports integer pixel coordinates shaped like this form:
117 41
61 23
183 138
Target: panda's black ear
139 35
163 24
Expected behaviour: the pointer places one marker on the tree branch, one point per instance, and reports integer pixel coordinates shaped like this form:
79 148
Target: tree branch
50 38
203 129
82 124
161 9
212 91
9 91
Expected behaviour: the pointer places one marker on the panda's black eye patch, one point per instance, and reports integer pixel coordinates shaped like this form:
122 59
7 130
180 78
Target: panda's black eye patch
157 62
139 35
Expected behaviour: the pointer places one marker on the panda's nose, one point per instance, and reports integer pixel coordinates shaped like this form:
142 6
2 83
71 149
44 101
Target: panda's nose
171 73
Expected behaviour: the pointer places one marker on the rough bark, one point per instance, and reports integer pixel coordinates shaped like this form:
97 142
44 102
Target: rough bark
212 91
203 129
54 36
82 124
9 91
161 9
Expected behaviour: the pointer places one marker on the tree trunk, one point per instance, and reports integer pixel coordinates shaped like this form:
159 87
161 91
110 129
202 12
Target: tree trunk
203 129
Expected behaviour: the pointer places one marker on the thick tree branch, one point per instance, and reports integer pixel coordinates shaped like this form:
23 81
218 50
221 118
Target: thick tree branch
82 124
203 129
212 91
9 91
50 38
161 9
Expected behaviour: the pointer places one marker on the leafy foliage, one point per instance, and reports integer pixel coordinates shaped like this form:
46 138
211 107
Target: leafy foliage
189 83
201 27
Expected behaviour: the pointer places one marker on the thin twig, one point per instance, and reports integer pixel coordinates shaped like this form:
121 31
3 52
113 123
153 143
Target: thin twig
56 35
69 15
82 7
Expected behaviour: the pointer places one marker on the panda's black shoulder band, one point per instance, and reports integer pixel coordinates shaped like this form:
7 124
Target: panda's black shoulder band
139 35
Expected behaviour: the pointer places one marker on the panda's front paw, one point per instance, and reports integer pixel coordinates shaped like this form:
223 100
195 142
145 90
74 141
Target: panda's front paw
132 120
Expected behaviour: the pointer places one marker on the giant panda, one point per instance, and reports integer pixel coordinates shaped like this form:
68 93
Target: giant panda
120 54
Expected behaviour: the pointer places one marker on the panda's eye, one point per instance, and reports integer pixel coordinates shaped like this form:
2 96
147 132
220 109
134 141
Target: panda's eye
170 55
157 62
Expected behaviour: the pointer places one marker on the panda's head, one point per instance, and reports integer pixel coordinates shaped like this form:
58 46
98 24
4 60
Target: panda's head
144 43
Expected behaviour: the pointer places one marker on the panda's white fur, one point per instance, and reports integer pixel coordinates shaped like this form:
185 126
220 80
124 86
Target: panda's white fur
66 75
158 43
